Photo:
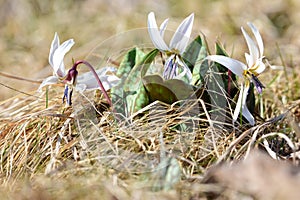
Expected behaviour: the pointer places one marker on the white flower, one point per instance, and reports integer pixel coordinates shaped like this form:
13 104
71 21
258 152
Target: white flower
248 72
177 45
81 82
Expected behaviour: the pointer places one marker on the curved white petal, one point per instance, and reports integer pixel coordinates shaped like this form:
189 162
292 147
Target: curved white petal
154 33
253 50
238 107
248 115
87 81
182 35
242 107
58 57
48 81
258 38
233 65
245 90
163 27
104 70
54 46
249 59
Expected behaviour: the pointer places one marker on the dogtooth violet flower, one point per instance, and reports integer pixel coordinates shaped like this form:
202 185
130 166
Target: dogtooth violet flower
176 48
85 81
249 71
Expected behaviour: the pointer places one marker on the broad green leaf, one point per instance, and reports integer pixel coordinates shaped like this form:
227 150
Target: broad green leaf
137 97
167 91
201 66
118 94
148 59
128 62
191 54
221 51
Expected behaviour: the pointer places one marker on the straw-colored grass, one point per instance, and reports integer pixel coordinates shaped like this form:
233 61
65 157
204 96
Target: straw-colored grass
80 152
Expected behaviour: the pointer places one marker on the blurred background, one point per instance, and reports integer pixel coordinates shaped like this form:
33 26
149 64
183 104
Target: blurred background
27 29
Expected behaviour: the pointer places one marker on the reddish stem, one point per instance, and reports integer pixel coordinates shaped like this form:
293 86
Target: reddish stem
96 76
229 82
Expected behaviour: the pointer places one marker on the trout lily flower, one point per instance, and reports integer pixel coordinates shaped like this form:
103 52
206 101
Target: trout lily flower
71 78
174 66
249 71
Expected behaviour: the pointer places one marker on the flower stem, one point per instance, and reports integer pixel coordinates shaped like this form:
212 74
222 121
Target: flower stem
96 76
229 82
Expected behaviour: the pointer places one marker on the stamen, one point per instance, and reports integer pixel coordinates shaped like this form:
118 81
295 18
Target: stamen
168 69
68 95
174 69
259 86
171 67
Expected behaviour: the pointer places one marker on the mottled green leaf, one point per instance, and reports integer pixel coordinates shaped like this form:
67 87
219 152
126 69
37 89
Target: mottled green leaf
201 66
148 59
221 51
118 94
191 53
167 91
137 97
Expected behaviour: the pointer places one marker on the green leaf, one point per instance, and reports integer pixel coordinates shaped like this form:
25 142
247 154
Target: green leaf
148 59
118 94
201 67
137 97
191 53
220 51
168 91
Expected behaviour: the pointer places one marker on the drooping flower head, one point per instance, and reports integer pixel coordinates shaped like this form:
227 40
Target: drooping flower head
249 71
176 48
82 82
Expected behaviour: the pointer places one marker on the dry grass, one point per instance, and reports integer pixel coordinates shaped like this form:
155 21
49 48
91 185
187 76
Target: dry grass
89 152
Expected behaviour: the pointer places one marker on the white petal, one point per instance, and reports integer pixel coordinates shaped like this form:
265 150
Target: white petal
48 81
104 70
258 38
249 59
154 33
253 50
58 57
245 92
87 81
163 27
233 65
261 67
182 35
54 46
241 105
238 107
246 113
